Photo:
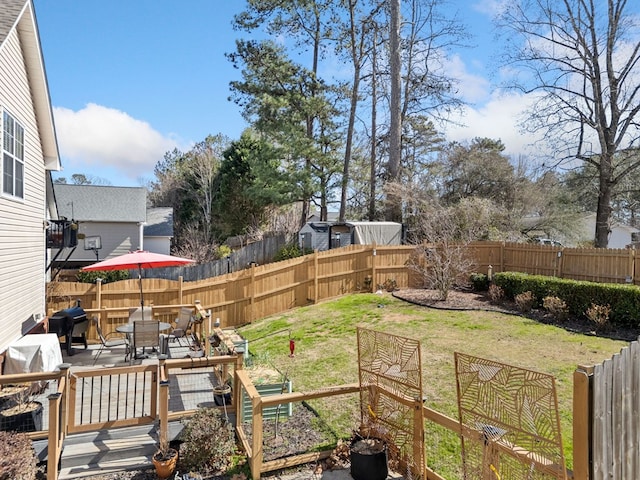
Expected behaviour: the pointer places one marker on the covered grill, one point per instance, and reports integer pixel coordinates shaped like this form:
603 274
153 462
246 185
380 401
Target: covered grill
72 324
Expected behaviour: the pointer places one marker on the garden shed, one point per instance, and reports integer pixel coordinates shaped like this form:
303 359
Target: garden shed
326 235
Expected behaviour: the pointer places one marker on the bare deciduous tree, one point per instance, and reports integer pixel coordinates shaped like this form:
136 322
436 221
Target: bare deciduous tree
582 58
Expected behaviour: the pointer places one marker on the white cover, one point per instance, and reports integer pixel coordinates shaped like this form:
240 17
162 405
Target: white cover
34 353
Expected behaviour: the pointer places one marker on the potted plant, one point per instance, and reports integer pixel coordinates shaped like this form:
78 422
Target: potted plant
165 460
19 412
222 389
368 456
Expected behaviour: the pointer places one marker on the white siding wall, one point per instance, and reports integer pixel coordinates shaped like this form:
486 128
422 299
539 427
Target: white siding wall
116 239
22 245
158 245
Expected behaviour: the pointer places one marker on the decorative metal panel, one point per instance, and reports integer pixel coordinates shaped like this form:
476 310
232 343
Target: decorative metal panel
514 412
391 395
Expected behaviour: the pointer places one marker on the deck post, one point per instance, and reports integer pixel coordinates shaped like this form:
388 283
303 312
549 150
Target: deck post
163 403
257 451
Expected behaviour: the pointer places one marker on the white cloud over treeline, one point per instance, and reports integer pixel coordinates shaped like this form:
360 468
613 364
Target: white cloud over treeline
98 138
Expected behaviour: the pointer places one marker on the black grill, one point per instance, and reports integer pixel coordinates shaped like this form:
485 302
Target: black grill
64 322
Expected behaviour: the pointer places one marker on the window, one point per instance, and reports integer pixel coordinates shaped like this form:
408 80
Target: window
12 157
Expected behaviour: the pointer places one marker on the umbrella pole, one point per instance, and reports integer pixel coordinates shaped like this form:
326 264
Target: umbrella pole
141 294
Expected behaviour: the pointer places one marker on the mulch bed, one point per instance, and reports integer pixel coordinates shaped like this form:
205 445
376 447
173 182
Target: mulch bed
471 300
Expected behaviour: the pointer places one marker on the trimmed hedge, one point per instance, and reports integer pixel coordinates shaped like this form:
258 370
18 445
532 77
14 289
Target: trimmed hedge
578 295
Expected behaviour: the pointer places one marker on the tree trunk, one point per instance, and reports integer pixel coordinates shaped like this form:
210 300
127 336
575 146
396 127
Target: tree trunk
374 128
603 213
394 207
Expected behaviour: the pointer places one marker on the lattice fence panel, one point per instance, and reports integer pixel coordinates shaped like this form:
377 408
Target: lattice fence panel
515 412
390 375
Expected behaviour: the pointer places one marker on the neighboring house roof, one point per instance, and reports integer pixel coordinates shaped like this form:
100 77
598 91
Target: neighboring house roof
331 217
19 14
98 203
159 222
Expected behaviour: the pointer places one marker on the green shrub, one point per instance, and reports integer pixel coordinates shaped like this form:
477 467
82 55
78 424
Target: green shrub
223 251
208 442
525 301
291 250
578 295
556 307
479 282
107 276
17 457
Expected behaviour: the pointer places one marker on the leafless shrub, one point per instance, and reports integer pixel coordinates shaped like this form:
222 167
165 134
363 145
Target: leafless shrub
599 314
525 301
196 246
442 259
496 293
556 307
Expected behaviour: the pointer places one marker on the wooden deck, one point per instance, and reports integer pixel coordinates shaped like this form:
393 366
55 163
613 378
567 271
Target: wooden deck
128 448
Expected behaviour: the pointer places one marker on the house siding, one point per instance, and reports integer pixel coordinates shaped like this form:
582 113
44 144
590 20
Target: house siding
22 242
116 238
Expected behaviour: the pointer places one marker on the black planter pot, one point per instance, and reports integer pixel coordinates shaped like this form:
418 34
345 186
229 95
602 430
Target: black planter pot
368 459
30 421
222 396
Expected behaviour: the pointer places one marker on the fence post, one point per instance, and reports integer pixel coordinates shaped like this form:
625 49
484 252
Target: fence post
180 285
374 254
98 293
502 253
632 254
257 453
315 276
418 443
559 262
582 407
252 292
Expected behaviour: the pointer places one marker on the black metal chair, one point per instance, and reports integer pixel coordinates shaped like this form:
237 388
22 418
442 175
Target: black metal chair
183 325
110 343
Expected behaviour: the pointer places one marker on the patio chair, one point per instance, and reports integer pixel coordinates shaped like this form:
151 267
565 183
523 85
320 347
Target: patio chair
136 314
183 326
145 334
109 343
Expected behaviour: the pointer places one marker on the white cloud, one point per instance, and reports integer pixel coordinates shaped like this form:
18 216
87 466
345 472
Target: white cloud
498 118
473 88
490 7
101 141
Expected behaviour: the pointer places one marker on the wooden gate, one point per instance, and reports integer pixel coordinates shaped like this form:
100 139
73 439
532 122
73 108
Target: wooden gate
112 398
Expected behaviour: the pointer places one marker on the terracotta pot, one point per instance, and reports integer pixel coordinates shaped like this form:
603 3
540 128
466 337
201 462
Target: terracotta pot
165 463
368 459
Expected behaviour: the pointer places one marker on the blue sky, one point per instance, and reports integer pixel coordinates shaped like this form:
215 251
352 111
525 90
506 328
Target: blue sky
131 80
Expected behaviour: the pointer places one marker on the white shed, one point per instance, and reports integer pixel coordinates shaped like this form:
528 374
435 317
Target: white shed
326 235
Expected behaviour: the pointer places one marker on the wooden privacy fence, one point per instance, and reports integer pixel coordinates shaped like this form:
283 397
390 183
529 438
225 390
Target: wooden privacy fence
606 408
242 297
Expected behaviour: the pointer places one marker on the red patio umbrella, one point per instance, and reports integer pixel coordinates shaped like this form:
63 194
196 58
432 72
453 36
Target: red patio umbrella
138 260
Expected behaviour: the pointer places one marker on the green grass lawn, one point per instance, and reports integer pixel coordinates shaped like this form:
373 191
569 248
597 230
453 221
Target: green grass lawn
326 354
